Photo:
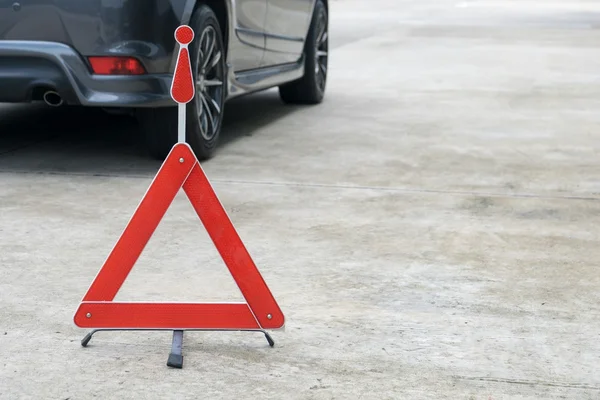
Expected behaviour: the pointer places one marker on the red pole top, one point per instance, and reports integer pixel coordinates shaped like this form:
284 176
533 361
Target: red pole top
184 35
182 88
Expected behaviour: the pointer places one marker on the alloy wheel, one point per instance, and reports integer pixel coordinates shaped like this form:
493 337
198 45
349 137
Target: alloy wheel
209 83
322 46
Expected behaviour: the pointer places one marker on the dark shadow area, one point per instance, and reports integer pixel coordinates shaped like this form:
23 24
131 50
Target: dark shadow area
78 140
246 115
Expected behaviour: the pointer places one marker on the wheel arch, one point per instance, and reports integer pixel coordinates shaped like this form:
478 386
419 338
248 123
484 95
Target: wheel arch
224 13
222 10
312 12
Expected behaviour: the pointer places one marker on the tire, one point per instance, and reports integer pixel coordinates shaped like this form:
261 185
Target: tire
204 114
310 89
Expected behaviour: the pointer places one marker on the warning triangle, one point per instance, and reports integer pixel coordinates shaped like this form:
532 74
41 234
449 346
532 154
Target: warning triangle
180 169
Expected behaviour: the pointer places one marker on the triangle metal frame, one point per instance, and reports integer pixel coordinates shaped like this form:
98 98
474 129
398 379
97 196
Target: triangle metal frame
97 310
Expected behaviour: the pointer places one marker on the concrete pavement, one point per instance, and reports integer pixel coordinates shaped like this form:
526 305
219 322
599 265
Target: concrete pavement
430 231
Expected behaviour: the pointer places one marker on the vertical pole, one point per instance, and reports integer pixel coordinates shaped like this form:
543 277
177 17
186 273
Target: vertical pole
181 123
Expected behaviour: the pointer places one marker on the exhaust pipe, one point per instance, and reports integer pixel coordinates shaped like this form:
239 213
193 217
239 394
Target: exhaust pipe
53 99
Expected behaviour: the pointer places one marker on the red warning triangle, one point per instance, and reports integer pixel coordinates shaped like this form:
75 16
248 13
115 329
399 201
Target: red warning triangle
97 309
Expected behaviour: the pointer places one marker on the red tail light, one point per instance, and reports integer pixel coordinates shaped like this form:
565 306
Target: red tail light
116 66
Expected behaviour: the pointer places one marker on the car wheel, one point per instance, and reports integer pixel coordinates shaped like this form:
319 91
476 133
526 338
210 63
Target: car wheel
205 111
310 89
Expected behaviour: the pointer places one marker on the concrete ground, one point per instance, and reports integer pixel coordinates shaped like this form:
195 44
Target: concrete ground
430 231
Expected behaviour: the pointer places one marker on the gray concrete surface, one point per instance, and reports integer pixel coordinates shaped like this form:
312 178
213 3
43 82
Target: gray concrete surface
430 231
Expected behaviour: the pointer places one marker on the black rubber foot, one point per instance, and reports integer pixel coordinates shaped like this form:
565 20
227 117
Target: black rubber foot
86 339
175 360
269 339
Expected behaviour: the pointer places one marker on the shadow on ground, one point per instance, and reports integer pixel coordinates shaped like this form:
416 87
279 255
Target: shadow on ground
76 140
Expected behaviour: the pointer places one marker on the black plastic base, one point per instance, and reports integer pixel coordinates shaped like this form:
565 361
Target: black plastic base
175 360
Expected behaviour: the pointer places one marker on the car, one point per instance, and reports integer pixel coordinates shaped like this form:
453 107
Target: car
119 55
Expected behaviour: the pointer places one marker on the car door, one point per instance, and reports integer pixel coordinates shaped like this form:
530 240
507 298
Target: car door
286 26
248 47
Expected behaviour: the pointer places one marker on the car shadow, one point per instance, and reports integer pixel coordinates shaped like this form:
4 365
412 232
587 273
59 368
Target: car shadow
244 116
77 140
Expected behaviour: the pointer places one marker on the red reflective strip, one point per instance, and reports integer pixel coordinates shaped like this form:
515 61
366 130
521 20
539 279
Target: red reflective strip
164 316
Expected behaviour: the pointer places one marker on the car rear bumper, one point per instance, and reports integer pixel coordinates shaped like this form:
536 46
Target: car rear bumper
30 67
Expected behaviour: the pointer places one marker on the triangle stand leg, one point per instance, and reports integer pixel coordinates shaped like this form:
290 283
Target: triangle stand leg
269 338
86 339
176 357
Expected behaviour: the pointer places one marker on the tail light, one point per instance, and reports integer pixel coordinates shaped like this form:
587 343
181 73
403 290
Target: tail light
116 66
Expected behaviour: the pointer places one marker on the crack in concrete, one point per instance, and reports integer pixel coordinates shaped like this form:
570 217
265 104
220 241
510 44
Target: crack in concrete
326 186
572 385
